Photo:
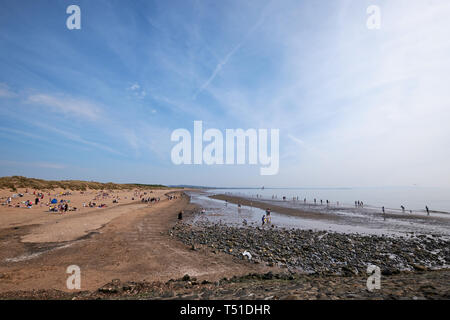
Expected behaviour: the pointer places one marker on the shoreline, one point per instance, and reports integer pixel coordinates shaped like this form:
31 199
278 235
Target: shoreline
349 220
303 212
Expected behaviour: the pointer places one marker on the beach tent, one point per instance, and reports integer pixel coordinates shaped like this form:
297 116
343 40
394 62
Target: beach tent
54 201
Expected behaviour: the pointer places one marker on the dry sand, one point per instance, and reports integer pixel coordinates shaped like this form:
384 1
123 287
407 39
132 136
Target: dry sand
129 241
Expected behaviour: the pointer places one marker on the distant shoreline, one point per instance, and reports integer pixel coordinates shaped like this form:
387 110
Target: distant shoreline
300 212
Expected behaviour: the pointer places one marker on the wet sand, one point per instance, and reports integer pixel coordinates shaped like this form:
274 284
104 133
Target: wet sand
322 212
279 209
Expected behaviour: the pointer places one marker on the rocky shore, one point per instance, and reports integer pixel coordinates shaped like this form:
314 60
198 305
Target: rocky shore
269 286
320 252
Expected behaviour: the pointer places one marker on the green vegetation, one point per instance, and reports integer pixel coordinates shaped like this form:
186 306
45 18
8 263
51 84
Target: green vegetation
16 182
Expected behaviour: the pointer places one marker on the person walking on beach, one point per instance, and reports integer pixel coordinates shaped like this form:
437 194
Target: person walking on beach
384 213
268 217
314 201
428 210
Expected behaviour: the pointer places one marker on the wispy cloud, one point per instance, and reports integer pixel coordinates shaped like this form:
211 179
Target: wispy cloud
5 91
78 138
47 165
67 105
296 140
137 91
227 57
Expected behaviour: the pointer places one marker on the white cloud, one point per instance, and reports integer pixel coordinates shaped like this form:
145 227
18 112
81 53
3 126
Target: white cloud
68 106
134 87
384 101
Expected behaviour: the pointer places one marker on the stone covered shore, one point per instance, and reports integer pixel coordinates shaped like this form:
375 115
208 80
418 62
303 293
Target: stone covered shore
320 252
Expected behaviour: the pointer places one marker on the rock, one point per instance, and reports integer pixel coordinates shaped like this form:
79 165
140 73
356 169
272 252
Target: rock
268 276
186 277
168 294
419 267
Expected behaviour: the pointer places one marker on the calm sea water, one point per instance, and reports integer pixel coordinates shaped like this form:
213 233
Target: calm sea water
412 198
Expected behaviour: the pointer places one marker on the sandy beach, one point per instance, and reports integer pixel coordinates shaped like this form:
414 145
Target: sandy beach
127 241
128 248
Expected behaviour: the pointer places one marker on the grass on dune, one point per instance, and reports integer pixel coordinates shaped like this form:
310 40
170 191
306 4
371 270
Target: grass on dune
15 182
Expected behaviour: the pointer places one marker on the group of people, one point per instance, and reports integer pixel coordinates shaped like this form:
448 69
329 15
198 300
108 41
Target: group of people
61 207
359 204
403 210
150 199
94 205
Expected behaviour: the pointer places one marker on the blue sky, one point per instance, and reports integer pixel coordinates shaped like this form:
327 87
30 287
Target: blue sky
355 107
